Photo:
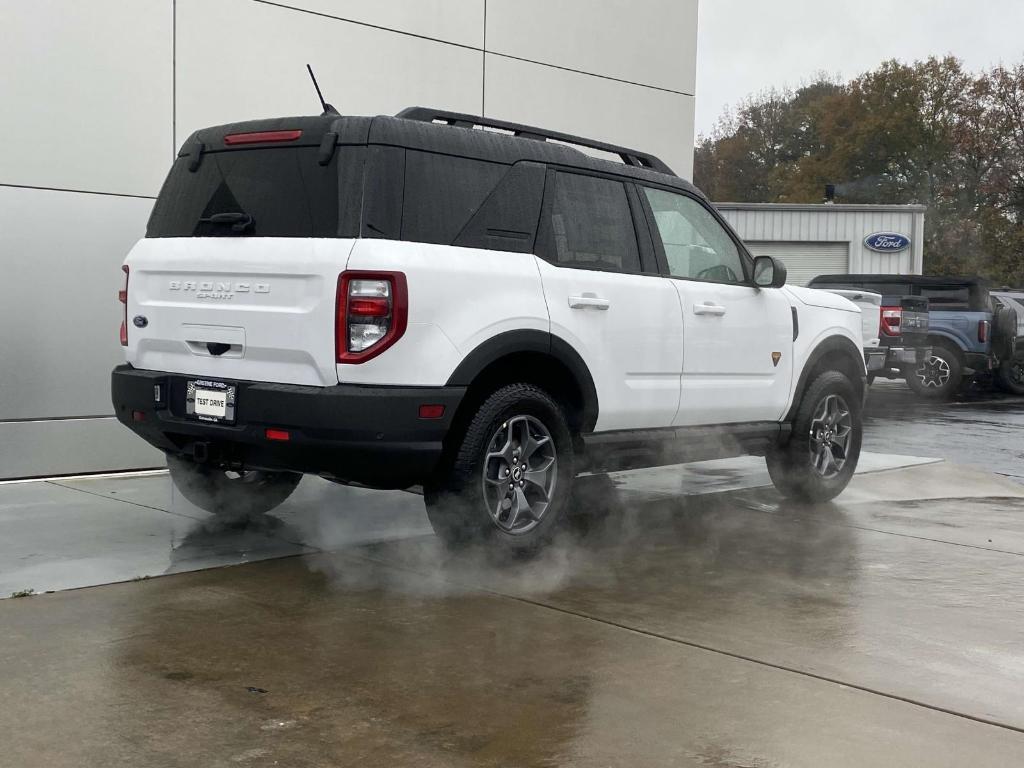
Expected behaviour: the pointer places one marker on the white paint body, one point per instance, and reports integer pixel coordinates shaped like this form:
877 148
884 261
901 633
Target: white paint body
662 351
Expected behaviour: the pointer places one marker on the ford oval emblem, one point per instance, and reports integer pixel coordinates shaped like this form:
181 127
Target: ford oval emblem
887 242
140 321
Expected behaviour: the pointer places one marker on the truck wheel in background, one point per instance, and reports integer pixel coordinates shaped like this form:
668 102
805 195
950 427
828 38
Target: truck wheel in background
510 476
1011 375
939 377
234 497
821 455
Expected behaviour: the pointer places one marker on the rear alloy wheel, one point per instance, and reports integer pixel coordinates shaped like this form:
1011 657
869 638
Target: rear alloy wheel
938 377
1011 375
821 456
510 476
234 497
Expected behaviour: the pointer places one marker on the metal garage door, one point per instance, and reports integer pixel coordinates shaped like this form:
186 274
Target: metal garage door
805 261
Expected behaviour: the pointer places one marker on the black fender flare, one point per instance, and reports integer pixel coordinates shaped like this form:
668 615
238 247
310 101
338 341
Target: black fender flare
829 345
528 340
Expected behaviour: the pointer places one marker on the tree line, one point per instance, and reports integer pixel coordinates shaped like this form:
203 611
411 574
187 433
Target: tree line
928 132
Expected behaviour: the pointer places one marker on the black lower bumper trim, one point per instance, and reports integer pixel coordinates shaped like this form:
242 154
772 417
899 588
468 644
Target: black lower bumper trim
366 434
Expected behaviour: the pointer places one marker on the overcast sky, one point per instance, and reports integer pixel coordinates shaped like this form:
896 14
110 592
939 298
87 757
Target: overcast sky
744 46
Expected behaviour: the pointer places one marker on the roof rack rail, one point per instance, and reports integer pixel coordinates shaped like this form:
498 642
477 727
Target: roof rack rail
462 120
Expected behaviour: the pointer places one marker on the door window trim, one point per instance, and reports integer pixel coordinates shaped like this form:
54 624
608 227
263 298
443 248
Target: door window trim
746 260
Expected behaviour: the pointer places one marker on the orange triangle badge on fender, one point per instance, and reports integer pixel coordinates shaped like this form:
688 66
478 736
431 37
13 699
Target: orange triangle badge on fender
776 356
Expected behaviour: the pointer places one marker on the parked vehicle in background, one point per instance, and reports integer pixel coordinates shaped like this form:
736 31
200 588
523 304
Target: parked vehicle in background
901 324
1010 374
405 300
870 320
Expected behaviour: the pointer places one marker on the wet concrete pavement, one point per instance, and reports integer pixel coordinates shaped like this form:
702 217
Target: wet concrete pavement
979 428
726 629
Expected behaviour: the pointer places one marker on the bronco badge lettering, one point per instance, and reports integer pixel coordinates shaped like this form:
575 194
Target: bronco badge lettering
219 289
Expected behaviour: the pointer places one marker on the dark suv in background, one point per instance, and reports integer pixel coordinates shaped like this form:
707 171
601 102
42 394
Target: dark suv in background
969 333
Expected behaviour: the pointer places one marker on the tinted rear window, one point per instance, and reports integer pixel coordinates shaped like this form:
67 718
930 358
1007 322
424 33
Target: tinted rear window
285 191
442 193
588 224
947 299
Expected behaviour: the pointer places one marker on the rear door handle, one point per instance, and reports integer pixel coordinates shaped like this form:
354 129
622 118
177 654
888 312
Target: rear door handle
588 301
707 308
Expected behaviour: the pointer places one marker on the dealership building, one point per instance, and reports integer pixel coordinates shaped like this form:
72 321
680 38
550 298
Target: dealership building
98 97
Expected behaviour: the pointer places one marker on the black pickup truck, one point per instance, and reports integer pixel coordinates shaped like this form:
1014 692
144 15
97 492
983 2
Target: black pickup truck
903 322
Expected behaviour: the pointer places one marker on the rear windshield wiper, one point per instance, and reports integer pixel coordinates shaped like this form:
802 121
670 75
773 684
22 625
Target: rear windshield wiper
239 221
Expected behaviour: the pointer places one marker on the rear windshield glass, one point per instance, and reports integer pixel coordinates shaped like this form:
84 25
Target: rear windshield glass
268 192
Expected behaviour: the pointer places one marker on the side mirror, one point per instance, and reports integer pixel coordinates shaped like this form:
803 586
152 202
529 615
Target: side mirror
769 272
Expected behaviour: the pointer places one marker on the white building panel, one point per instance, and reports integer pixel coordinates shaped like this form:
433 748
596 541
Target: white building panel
647 119
239 60
454 21
86 94
653 42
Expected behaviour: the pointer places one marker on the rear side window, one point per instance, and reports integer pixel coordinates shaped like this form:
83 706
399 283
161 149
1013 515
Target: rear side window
442 193
275 192
947 299
588 224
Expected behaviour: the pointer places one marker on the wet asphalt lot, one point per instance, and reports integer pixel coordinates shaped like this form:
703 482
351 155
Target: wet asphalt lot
729 628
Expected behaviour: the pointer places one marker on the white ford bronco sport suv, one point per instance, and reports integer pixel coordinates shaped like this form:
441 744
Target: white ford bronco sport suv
470 305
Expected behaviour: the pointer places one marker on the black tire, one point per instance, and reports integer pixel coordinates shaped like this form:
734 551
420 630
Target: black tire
473 500
234 497
1011 375
939 377
794 468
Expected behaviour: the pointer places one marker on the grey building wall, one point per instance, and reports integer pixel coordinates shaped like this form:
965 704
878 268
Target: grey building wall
820 224
97 96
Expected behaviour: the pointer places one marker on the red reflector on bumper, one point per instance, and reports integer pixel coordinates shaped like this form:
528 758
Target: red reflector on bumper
138 415
431 411
278 434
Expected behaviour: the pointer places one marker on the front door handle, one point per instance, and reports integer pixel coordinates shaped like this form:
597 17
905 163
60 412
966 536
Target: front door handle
707 308
588 301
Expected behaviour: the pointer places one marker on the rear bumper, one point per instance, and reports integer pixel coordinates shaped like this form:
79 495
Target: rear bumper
899 356
874 358
365 434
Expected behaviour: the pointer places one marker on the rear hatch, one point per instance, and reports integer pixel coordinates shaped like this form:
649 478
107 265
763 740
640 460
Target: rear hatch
237 275
914 324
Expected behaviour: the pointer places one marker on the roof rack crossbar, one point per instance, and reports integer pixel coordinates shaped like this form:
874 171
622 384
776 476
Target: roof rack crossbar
462 120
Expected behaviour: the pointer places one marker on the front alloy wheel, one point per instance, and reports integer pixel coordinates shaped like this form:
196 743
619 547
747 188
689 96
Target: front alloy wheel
831 431
520 472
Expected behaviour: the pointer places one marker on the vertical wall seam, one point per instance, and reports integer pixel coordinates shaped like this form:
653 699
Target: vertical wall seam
483 71
174 78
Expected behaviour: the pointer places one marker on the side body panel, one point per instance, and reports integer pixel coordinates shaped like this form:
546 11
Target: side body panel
628 331
737 353
959 327
458 299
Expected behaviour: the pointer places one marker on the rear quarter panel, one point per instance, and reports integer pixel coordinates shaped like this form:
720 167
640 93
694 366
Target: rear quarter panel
959 327
458 299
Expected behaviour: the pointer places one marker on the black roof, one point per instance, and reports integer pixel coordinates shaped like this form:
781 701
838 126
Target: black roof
453 133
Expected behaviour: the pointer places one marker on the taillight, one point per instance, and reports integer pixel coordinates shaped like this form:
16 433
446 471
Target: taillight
122 296
372 312
892 321
984 326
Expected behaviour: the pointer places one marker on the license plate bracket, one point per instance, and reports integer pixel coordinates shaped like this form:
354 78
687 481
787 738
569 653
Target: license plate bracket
213 401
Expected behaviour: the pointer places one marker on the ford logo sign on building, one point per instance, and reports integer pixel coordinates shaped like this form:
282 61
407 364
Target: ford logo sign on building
887 242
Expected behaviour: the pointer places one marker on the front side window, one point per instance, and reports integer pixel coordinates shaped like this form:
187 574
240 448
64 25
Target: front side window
696 245
588 224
